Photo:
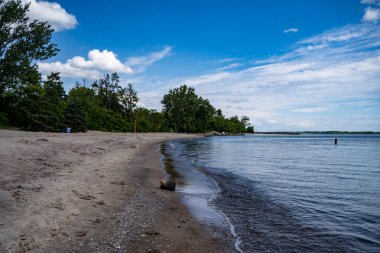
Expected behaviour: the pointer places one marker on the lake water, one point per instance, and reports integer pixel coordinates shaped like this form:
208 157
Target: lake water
284 193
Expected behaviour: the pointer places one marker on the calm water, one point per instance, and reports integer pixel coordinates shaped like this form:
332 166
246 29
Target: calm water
283 193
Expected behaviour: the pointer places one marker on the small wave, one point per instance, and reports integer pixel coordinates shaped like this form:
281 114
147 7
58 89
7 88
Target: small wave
231 226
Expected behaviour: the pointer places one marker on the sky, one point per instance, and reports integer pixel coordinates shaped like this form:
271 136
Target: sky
291 65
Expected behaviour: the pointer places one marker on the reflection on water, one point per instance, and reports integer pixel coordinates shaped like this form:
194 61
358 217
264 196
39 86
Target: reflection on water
168 164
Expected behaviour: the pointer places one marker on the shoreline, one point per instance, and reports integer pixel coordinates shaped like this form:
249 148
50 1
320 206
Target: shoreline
197 191
92 192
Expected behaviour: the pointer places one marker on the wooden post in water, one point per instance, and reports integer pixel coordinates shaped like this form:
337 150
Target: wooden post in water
336 141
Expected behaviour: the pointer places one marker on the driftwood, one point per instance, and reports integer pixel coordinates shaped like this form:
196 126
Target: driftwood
168 185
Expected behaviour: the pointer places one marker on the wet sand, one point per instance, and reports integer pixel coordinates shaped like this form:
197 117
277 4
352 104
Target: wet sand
93 192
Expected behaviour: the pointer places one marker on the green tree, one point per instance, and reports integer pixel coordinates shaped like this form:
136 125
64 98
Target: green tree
102 105
149 120
143 121
108 92
41 108
250 129
54 103
218 122
75 116
129 100
84 98
30 108
186 112
158 121
244 121
22 43
204 115
234 125
180 106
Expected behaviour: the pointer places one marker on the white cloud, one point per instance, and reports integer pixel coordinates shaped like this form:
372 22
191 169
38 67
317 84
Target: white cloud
374 2
309 48
312 109
371 15
140 63
337 35
226 60
203 79
99 62
67 70
231 66
53 13
291 30
238 100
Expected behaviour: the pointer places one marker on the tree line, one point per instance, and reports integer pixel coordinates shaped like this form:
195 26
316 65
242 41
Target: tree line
30 103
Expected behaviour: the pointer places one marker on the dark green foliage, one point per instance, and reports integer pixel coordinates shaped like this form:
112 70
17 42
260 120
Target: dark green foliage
250 129
129 100
158 121
41 108
85 98
234 125
75 116
109 92
21 44
204 115
35 110
179 108
244 121
54 102
103 104
187 112
149 120
3 119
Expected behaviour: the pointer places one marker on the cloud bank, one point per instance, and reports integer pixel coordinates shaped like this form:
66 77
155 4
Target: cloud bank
329 81
53 13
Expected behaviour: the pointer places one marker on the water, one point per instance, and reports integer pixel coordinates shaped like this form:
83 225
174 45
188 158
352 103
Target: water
284 193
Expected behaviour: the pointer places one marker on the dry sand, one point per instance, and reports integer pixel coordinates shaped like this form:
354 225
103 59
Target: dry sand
92 192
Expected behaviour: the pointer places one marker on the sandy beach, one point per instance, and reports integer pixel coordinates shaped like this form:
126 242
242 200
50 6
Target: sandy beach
92 192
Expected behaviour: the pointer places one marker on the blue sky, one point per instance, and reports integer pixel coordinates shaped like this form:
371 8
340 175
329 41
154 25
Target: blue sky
287 65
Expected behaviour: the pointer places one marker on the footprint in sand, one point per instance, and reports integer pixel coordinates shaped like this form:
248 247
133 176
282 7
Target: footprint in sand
119 183
27 242
84 196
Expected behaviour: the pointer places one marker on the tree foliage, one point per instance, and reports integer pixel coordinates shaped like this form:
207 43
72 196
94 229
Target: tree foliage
22 43
129 100
185 111
75 116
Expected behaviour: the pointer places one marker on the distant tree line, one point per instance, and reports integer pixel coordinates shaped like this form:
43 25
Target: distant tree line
28 102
